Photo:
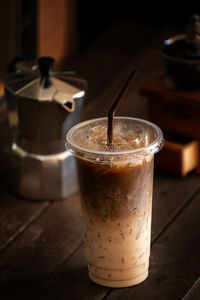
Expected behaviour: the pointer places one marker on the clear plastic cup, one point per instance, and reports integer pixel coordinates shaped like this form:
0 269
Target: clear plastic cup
116 196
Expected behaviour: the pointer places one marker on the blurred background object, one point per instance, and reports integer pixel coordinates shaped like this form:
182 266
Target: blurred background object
181 56
64 28
174 100
42 106
35 28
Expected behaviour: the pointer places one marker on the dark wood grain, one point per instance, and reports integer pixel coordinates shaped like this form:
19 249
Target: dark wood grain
174 263
171 194
40 249
16 213
194 291
71 281
170 197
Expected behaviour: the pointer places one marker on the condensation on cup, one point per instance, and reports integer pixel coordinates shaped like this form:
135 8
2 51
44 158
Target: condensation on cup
116 184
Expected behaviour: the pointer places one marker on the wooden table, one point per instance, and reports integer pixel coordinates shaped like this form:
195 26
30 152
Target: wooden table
41 243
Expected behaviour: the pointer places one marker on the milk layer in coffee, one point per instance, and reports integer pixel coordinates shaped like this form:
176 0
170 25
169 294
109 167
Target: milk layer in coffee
116 198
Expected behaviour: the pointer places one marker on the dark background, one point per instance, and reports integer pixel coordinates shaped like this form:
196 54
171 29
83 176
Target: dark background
95 17
92 18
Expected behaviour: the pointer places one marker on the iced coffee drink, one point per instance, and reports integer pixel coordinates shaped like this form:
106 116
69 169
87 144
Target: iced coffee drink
116 197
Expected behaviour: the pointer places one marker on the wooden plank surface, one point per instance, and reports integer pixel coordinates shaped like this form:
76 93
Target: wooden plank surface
16 213
40 249
174 264
170 197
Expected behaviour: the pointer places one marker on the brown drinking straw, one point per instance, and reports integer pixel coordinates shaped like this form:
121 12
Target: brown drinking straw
115 104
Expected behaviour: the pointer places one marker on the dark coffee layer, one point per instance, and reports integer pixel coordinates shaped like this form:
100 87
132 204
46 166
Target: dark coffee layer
111 191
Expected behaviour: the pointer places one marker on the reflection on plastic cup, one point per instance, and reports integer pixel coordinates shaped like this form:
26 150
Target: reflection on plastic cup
116 196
